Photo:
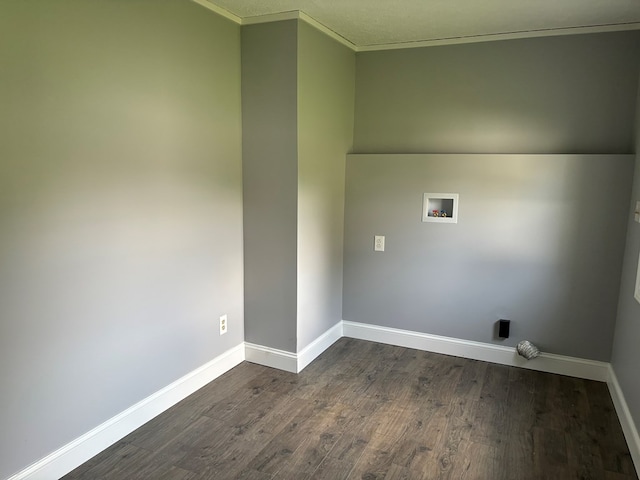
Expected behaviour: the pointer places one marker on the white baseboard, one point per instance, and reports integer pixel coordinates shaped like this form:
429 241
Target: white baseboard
75 453
88 445
271 357
546 362
292 362
626 420
312 351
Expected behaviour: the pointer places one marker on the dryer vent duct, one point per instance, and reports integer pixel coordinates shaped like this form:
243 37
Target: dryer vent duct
527 350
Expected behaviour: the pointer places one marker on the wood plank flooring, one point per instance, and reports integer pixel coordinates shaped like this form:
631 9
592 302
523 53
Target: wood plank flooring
369 411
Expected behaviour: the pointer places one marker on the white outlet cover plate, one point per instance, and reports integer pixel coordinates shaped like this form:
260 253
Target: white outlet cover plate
378 243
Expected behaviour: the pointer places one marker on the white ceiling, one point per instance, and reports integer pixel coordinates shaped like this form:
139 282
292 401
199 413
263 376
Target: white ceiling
372 24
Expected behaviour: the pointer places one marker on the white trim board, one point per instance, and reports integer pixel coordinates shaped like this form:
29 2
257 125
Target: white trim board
312 351
327 31
292 362
493 37
75 453
277 17
271 357
70 456
626 420
299 14
546 362
219 10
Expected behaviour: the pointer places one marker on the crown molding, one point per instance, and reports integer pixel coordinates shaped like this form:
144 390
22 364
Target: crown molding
327 31
278 17
490 37
299 15
271 17
219 10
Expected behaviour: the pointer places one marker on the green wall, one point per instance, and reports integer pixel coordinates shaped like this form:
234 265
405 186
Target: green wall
120 209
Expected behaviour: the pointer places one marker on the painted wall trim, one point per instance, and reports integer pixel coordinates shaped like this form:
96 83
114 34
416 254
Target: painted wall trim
75 453
219 10
78 451
293 362
271 357
327 31
271 17
552 32
298 14
546 362
312 351
626 420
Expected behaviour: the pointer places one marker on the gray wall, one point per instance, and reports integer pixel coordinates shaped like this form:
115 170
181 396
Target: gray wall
541 260
270 178
566 94
539 241
326 83
297 96
626 354
120 209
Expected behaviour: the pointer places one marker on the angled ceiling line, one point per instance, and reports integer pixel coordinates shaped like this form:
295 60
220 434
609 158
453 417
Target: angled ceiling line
492 37
219 10
432 42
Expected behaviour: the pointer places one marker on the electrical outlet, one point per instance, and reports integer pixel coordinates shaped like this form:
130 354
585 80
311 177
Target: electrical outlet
378 243
223 324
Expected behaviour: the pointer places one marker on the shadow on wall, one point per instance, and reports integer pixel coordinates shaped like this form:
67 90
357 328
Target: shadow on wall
539 241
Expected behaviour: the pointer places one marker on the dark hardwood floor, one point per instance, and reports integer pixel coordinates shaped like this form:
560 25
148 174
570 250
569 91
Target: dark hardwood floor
368 411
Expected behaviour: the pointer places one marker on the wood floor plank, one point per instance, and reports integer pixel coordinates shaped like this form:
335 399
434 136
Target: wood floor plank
478 461
490 421
105 455
372 465
308 456
273 457
364 410
248 474
334 469
164 473
117 464
416 457
550 448
610 441
517 454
